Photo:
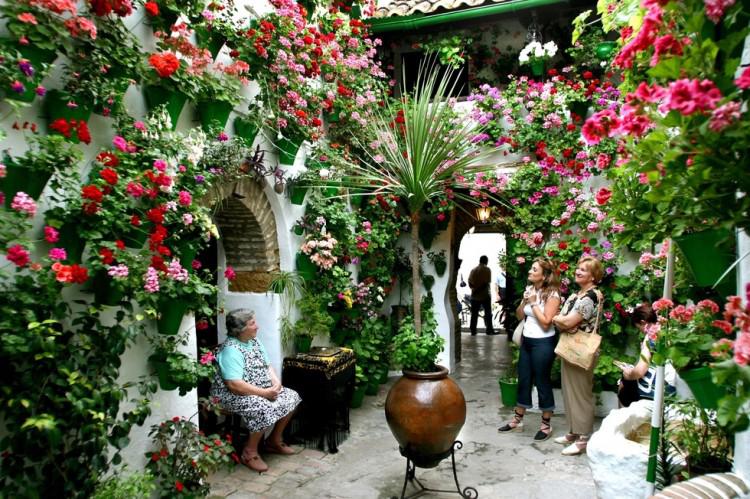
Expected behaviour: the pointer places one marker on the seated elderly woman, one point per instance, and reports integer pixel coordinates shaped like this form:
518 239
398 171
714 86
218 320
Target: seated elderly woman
246 384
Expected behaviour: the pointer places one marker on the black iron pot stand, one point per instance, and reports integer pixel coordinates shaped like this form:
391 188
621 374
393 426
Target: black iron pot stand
415 460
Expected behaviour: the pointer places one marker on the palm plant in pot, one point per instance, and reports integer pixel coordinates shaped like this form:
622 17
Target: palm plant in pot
418 149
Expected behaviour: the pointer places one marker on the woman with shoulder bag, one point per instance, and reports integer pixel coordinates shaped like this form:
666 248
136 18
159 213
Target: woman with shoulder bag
541 301
580 314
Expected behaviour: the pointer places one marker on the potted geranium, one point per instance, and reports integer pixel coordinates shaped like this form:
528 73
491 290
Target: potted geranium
685 335
536 55
183 457
218 92
20 78
176 369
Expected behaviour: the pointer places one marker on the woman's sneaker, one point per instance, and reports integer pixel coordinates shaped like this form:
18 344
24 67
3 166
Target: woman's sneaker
566 439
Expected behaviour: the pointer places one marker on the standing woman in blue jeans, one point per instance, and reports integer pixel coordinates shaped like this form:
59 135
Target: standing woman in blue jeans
541 302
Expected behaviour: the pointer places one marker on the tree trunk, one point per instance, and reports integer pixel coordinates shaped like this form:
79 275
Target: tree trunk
416 284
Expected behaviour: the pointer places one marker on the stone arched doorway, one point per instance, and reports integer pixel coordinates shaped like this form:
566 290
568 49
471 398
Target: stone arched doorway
248 235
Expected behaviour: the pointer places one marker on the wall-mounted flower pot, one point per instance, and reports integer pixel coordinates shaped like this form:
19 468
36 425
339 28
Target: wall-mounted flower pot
305 267
73 243
330 191
331 116
135 237
210 39
36 57
427 232
174 101
508 392
708 255
105 292
288 148
171 311
705 391
440 267
298 230
186 252
581 108
303 343
246 129
214 114
56 106
537 68
22 179
161 367
604 49
297 194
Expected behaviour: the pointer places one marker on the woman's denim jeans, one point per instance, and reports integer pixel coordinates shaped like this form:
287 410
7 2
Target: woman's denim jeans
534 367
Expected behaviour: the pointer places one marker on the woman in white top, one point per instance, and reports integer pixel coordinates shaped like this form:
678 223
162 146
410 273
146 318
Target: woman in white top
541 302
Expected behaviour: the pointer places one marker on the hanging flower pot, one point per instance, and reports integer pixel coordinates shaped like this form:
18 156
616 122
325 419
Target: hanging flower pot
331 191
297 193
440 267
210 39
303 343
186 252
305 267
427 232
57 105
705 391
22 179
135 237
71 241
215 113
161 366
604 49
580 108
442 224
174 101
537 68
36 57
288 148
171 311
708 255
246 129
331 116
105 292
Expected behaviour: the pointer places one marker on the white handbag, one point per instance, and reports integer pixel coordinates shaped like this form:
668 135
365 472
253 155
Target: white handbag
518 333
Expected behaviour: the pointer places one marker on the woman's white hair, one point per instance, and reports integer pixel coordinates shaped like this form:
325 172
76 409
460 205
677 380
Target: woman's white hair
237 320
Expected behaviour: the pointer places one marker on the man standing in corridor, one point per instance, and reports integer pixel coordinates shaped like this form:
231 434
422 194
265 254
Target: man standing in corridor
479 282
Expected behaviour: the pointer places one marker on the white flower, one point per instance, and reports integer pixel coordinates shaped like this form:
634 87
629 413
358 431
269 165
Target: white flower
324 173
539 52
523 58
550 48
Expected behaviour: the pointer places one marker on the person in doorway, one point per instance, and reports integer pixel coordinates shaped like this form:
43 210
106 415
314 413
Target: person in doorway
480 278
541 302
579 312
246 384
638 381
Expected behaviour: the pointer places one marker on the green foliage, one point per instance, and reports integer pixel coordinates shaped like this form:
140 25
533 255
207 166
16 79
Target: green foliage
418 352
183 457
126 486
450 50
733 407
313 320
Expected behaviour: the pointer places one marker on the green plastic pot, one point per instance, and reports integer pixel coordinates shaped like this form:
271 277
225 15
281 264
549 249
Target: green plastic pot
297 194
171 311
705 391
604 50
187 253
246 129
537 68
214 114
288 148
21 179
581 108
373 386
158 96
105 292
161 367
358 396
298 230
508 392
135 237
708 255
56 106
210 39
440 268
72 242
305 267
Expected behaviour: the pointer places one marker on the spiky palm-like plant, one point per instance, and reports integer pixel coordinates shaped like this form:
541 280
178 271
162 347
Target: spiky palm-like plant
419 146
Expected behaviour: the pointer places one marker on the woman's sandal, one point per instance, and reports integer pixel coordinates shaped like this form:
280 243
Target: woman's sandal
282 448
515 424
255 463
545 430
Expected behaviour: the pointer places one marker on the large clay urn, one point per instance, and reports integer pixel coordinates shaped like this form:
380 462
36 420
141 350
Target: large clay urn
425 412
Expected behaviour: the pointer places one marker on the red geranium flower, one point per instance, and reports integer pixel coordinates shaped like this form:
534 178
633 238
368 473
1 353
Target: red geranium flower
108 159
165 63
93 193
152 8
109 176
178 485
603 195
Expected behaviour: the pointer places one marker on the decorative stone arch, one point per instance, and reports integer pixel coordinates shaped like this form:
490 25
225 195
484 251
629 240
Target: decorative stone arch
247 227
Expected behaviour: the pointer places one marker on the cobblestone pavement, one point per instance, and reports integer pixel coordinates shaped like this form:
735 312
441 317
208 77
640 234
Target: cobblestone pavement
368 464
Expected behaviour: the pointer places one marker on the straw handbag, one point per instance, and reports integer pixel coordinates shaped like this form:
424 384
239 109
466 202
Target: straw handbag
579 347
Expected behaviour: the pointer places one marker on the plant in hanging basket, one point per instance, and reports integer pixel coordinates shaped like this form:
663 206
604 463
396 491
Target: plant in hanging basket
536 55
438 260
217 93
21 76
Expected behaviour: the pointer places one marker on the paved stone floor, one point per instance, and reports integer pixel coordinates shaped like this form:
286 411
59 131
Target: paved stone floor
368 464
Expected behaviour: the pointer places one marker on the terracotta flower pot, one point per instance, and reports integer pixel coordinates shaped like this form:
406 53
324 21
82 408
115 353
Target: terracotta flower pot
425 412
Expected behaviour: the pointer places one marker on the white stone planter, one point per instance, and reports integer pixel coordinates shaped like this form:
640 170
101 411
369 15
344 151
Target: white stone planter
618 464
